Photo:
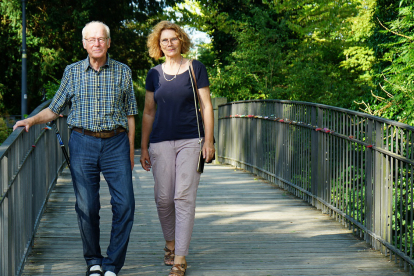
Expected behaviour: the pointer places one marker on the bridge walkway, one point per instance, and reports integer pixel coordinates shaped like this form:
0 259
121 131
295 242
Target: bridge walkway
244 226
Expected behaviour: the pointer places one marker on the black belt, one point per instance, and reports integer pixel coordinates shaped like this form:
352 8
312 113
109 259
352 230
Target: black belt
100 134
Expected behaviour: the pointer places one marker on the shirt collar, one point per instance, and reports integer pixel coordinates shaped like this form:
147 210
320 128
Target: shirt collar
87 65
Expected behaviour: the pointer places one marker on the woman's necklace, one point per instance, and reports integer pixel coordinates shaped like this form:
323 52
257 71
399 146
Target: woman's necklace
175 73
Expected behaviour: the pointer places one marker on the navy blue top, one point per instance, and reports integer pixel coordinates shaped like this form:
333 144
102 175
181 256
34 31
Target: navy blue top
175 117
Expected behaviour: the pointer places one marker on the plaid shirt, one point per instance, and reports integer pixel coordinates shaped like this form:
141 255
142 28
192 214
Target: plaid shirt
100 100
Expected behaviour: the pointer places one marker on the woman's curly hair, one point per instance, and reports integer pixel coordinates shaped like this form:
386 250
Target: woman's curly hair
153 42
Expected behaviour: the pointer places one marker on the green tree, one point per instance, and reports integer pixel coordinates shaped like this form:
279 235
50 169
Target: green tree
287 50
392 41
54 40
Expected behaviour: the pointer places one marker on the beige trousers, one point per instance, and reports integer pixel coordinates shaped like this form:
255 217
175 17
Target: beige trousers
174 166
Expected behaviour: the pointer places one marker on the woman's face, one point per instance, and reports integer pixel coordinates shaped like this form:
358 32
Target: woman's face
170 44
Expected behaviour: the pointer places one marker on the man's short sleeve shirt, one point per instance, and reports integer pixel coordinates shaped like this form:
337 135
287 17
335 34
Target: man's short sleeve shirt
99 100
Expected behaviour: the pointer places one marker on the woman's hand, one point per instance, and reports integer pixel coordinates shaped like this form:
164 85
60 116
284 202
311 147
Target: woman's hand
208 151
145 160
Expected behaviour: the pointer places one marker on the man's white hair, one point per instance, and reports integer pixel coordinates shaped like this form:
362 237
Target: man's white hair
108 33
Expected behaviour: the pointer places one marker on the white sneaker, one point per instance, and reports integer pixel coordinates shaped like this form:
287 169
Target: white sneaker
109 273
94 269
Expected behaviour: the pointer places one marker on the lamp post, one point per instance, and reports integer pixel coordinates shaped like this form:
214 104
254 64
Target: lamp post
24 62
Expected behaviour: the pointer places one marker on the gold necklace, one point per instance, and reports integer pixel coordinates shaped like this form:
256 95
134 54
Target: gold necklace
175 73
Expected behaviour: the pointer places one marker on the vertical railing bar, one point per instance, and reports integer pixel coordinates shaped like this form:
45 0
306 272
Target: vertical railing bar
367 184
340 149
351 172
406 134
395 185
344 170
385 183
334 166
398 195
389 195
347 176
342 167
411 190
324 161
354 169
305 151
398 171
328 165
301 147
383 188
307 119
292 151
396 188
306 172
356 173
361 179
335 160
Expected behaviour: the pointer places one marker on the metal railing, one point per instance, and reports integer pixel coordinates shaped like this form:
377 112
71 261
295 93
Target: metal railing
356 167
30 163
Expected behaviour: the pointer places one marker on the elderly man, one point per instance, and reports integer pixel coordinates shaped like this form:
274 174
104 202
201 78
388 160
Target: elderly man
103 106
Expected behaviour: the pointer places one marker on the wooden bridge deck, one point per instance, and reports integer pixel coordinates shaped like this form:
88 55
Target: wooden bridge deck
244 226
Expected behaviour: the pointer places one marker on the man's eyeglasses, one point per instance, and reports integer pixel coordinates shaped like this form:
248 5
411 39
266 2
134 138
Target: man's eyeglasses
173 40
92 40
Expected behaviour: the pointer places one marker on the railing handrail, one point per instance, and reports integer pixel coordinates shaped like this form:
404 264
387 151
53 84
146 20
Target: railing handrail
340 109
15 134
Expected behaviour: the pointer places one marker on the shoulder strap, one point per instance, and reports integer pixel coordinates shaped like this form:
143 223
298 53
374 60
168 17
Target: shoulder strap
191 73
196 88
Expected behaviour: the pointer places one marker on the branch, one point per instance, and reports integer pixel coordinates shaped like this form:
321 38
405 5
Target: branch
393 31
367 107
377 97
382 88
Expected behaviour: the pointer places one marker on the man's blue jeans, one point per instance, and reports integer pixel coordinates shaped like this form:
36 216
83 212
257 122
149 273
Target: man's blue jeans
88 157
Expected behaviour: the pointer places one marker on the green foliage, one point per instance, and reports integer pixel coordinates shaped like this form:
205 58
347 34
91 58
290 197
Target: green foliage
50 88
296 50
139 87
54 41
4 130
393 73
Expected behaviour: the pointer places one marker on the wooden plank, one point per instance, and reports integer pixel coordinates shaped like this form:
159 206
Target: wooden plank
244 226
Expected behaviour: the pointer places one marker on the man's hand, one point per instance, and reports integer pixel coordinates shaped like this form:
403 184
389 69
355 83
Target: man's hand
23 123
44 116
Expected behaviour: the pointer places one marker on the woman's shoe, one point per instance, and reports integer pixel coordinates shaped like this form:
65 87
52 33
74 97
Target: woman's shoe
178 270
168 256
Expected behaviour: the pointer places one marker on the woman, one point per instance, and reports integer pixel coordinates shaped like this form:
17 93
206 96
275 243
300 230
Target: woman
170 142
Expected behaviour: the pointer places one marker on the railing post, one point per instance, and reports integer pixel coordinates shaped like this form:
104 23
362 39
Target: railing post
5 221
216 102
314 158
279 145
377 184
368 182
